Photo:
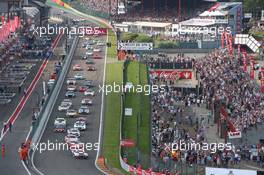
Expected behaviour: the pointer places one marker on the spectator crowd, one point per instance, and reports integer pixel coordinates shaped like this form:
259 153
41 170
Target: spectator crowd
222 79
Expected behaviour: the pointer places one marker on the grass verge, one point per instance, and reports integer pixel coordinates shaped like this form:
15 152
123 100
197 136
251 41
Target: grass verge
110 146
137 126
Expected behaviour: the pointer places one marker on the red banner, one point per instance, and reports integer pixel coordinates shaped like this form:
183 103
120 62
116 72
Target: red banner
127 143
245 61
262 80
230 45
238 51
93 31
224 116
171 74
2 20
223 40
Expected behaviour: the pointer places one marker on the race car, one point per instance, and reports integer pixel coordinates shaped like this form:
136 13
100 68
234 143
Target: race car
71 81
91 68
78 77
96 56
70 138
82 88
100 43
69 101
71 113
71 88
88 83
81 125
89 53
83 110
59 125
89 61
97 50
82 119
89 92
89 47
74 131
70 94
79 154
64 106
59 128
60 121
77 67
75 145
87 101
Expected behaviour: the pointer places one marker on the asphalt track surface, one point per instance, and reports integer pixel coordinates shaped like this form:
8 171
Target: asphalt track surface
61 161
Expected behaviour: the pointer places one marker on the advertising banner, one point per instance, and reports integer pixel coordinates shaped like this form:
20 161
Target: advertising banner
171 74
226 171
90 31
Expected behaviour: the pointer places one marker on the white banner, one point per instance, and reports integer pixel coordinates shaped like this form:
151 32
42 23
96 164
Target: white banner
135 46
234 135
225 171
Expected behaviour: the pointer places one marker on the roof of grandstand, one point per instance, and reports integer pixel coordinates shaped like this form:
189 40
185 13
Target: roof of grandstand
198 22
220 9
152 24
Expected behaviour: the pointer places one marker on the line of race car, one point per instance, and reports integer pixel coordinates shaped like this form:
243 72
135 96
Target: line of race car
78 85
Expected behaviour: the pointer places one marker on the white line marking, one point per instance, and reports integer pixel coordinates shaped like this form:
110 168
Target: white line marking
102 112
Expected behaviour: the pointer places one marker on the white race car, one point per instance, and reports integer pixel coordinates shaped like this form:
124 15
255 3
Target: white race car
74 131
60 121
64 106
97 50
81 125
83 110
78 77
71 113
71 138
71 88
100 43
87 101
77 67
79 154
71 81
89 53
59 125
89 92
69 101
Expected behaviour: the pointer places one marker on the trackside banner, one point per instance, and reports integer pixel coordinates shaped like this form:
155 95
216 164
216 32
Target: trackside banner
226 171
89 31
171 74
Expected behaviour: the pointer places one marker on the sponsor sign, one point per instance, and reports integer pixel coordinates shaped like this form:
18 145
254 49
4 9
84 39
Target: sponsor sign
128 111
234 135
135 46
248 15
90 31
226 171
127 143
172 74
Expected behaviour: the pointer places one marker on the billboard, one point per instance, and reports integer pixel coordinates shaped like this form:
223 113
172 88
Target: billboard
227 171
171 74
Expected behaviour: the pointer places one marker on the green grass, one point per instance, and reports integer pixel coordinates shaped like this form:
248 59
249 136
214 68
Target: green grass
137 126
111 51
112 117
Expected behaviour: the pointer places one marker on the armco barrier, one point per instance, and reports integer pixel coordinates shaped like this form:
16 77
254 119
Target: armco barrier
50 101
